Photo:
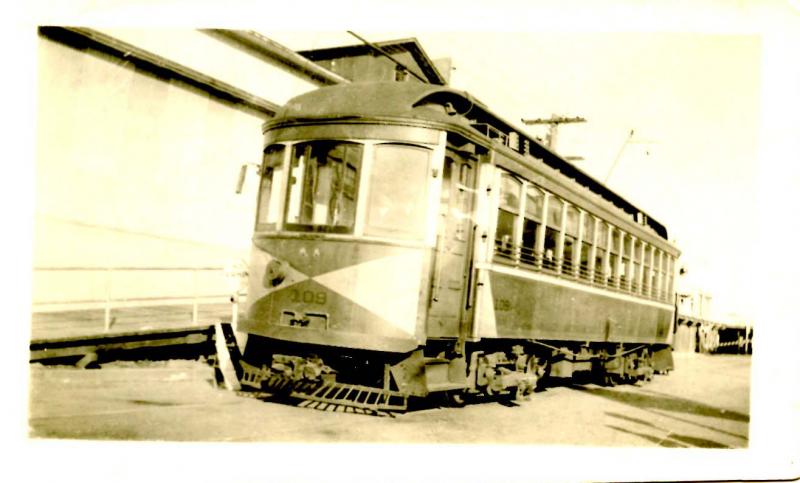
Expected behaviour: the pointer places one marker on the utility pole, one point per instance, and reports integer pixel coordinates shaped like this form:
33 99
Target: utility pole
553 122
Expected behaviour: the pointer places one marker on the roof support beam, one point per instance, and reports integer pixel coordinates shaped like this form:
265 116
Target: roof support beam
264 47
85 37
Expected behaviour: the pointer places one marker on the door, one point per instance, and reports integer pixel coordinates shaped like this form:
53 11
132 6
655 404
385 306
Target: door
450 313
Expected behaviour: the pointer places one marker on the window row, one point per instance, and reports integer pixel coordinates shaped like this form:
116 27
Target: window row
539 230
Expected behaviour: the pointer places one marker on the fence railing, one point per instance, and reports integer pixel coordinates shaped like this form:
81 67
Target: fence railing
108 288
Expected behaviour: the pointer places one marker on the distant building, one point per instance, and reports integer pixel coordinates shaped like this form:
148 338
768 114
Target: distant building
362 63
695 304
701 328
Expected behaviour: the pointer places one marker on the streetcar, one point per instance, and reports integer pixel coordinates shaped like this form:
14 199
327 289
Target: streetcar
409 242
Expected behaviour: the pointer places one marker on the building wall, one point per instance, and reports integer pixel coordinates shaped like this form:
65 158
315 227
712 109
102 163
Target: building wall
135 170
371 67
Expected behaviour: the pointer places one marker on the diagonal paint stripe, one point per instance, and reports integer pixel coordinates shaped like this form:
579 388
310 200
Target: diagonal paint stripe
388 287
316 257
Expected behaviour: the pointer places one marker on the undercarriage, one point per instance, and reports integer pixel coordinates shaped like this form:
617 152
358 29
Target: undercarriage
385 382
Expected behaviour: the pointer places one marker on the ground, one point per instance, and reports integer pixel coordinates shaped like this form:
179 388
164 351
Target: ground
703 403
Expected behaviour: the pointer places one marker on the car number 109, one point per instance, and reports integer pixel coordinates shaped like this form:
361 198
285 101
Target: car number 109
309 297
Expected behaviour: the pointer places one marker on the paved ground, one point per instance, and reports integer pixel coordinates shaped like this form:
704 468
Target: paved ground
704 403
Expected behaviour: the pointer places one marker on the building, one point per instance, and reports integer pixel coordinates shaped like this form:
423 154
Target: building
396 60
701 328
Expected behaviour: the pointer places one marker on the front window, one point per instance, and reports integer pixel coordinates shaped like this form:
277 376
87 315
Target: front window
269 193
398 192
323 186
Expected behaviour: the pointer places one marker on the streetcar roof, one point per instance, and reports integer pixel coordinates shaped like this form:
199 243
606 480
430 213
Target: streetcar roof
426 102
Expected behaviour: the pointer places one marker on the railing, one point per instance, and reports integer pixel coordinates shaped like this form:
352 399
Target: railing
529 259
142 288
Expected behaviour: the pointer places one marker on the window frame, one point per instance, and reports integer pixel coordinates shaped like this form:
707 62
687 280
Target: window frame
278 182
370 156
500 250
529 255
552 231
571 214
295 227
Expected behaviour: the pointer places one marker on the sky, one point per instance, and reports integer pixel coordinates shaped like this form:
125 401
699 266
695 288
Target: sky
692 99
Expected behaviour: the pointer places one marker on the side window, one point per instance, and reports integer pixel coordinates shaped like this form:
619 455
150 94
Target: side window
570 239
613 268
586 247
534 202
271 187
658 276
647 265
637 263
669 289
552 232
625 256
507 212
600 271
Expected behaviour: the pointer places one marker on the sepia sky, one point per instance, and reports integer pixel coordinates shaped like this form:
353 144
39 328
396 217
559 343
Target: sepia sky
692 99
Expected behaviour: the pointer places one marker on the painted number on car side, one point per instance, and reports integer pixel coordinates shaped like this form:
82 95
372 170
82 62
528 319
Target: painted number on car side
502 305
309 297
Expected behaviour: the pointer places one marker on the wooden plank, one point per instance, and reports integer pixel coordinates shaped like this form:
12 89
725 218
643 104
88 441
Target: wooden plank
59 352
118 337
227 358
